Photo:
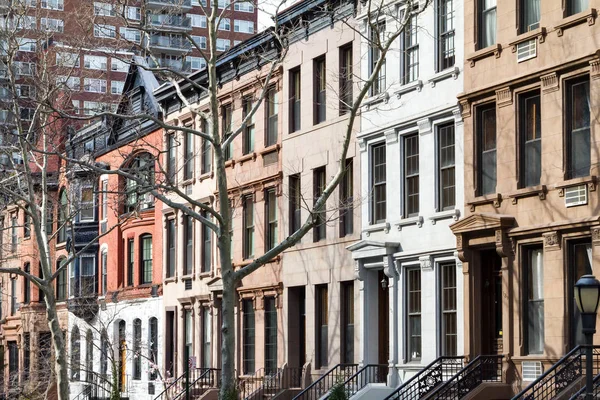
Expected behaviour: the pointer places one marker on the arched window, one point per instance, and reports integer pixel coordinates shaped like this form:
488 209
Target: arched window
137 349
104 346
146 259
89 356
75 354
153 347
138 189
63 212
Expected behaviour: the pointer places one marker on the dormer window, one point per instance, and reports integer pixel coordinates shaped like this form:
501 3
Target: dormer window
138 187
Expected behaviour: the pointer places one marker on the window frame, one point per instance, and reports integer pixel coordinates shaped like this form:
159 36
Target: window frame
379 84
248 141
271 116
319 184
441 147
145 266
571 172
480 133
375 218
413 314
271 218
295 202
447 310
526 270
446 33
321 325
525 143
481 13
271 336
188 156
410 175
319 90
410 51
295 101
248 223
188 245
248 337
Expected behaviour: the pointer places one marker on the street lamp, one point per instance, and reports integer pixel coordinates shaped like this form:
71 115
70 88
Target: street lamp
587 297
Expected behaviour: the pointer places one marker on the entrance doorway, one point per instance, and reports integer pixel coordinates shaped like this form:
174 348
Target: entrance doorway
491 302
297 326
383 315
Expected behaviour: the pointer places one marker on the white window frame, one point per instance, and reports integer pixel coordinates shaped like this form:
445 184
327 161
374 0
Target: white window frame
116 87
104 9
105 31
225 24
52 25
98 85
91 62
52 5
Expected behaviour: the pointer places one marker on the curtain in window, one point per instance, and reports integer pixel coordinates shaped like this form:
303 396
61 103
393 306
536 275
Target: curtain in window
489 23
531 15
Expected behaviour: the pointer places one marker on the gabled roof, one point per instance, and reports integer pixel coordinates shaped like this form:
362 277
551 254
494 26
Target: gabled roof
371 248
483 221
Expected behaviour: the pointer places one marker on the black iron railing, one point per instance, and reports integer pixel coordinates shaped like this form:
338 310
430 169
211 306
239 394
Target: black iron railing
481 369
264 384
197 382
581 392
371 373
99 386
561 375
318 388
428 378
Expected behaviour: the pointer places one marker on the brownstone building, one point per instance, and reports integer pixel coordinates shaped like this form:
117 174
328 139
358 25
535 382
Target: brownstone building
531 227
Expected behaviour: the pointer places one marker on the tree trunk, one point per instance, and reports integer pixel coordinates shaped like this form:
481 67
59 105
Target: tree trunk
58 341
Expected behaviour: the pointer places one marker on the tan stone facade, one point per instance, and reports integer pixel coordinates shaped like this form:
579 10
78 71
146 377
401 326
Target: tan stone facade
531 163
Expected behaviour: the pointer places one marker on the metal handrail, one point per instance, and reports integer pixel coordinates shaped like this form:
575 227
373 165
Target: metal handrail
558 377
191 384
319 387
422 383
581 391
358 381
181 377
463 381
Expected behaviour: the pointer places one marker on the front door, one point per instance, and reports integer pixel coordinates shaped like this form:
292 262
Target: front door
384 309
491 302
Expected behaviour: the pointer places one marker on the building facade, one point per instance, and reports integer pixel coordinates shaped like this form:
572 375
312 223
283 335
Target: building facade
531 226
409 276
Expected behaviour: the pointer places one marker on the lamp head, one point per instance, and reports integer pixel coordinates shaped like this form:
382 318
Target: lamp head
587 294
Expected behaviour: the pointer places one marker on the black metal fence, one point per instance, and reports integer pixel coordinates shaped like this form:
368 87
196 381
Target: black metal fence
318 388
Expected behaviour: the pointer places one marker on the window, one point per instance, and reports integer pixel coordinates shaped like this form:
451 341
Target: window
27 223
52 25
534 300
188 327
249 130
24 22
94 62
26 355
89 356
26 284
346 79
104 266
576 6
171 157
206 151
72 83
206 245
94 85
196 63
137 348
295 100
579 263
104 9
116 87
224 24
61 280
87 203
206 337
198 21
320 88
248 336
448 309
486 135
14 304
346 190
171 239
226 128
577 104
105 31
244 7
410 48
29 45
14 234
53 4
24 68
26 91
322 330
445 29
188 154
224 3
27 114
272 109
347 321
133 13
223 44
63 211
75 354
530 15
138 189
378 180
530 132
131 35
377 38
188 232
200 41
487 23
271 214
413 291
87 276
153 346
319 183
295 197
118 65
243 26
248 222
146 259
130 261
13 363
446 168
104 346
270 335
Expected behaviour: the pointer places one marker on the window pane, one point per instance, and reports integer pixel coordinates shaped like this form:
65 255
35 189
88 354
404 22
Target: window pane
531 167
579 97
413 285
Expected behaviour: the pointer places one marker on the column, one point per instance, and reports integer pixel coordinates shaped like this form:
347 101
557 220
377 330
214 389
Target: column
393 315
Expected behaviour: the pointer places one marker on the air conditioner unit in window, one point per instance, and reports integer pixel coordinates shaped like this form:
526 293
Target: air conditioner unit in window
576 195
531 370
526 50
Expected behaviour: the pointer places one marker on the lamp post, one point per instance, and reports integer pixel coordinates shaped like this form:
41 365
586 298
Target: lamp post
587 297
